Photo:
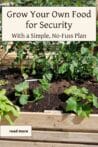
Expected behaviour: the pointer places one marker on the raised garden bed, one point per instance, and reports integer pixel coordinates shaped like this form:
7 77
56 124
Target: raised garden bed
54 129
51 128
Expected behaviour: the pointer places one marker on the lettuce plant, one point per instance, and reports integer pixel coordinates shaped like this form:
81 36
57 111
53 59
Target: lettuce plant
7 107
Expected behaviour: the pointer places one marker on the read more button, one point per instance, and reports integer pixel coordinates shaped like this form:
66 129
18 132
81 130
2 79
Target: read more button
20 131
16 131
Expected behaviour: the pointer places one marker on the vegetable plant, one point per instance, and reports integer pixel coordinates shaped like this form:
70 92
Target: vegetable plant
21 91
43 87
80 100
75 60
7 107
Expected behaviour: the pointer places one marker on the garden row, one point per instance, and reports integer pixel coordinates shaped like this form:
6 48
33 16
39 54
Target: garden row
61 76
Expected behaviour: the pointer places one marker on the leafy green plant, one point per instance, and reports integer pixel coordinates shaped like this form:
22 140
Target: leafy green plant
43 87
7 107
21 91
80 101
74 60
78 61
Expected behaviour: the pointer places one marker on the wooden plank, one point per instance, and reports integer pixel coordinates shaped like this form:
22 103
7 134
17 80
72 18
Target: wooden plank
64 122
97 8
8 59
59 137
4 143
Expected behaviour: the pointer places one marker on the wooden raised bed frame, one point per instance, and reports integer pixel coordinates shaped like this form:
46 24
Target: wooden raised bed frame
55 130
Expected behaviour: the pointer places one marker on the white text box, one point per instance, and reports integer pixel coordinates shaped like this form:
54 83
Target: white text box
16 131
48 23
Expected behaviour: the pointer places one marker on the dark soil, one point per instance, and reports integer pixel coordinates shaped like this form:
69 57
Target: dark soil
54 99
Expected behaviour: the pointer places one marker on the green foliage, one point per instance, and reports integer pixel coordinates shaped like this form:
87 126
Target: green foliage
55 2
43 87
22 92
7 107
73 60
77 60
38 94
80 101
95 72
